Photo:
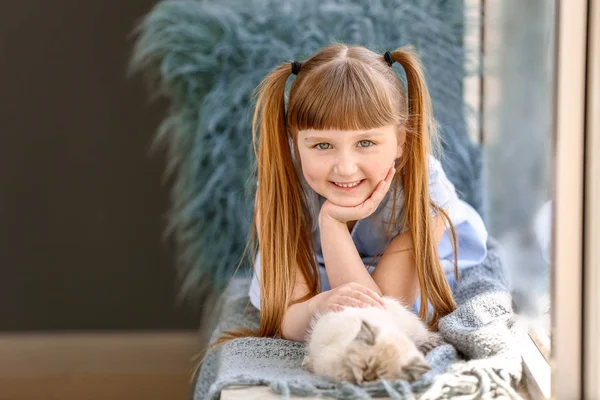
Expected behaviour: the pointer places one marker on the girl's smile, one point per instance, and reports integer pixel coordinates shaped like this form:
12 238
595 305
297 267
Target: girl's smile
352 186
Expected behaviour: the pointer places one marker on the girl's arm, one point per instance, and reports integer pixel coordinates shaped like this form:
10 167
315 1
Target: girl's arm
344 266
351 283
342 261
297 317
396 273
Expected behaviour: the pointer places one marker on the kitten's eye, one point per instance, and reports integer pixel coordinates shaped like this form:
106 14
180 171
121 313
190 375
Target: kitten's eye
318 146
368 143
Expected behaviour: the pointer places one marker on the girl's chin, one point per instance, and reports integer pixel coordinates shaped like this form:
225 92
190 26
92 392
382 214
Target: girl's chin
353 204
345 201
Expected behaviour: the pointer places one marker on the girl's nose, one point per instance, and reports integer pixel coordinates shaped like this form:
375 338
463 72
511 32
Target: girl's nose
345 167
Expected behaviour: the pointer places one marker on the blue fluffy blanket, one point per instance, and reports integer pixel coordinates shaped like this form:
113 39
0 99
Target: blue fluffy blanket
207 57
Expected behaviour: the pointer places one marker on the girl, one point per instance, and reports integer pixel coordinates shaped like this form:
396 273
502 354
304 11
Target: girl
331 233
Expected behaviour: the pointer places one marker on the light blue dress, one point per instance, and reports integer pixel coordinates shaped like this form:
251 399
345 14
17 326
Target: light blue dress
370 239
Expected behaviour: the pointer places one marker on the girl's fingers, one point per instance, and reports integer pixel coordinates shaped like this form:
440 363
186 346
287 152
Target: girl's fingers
335 308
390 175
363 302
384 185
369 300
370 293
352 302
380 191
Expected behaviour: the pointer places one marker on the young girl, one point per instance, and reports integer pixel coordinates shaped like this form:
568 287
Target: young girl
351 204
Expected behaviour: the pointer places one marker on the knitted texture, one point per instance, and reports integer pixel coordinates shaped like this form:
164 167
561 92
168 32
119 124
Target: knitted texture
481 330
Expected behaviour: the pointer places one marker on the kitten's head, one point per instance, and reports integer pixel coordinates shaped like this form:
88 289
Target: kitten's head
372 356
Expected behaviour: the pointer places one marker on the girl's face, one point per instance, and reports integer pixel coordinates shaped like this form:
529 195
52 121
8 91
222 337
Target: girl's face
358 160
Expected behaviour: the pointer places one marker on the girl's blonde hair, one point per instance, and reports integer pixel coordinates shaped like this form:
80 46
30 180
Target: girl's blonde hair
340 88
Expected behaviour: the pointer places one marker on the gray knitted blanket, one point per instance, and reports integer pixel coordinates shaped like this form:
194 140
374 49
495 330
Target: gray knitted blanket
480 360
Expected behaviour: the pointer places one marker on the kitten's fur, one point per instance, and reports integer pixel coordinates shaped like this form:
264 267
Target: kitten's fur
365 344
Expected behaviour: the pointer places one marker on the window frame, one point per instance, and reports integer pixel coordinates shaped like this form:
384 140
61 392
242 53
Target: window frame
569 106
591 307
571 367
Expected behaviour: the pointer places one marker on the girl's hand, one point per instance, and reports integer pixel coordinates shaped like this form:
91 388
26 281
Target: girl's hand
350 294
363 210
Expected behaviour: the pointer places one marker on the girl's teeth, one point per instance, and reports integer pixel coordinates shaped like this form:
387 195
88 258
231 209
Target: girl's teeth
348 185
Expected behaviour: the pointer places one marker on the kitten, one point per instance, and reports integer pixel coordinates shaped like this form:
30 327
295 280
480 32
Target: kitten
365 344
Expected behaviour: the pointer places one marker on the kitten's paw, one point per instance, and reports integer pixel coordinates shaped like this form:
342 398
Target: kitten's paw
417 368
307 364
434 340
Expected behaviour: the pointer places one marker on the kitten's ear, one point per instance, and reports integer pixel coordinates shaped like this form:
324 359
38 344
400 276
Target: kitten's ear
367 333
307 364
417 368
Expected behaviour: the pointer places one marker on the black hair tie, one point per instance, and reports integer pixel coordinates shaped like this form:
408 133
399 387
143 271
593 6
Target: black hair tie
388 57
296 66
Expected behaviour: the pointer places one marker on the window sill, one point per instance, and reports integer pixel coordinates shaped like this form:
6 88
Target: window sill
536 370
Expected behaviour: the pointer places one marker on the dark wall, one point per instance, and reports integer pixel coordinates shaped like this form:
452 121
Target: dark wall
82 203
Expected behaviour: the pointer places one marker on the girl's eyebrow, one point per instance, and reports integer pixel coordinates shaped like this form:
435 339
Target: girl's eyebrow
357 137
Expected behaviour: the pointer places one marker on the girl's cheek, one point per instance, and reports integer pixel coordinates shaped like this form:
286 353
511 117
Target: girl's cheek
313 174
311 177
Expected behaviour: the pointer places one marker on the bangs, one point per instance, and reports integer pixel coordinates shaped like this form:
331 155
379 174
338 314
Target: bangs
346 95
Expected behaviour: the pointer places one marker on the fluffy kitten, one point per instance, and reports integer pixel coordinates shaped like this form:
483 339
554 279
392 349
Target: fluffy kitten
365 344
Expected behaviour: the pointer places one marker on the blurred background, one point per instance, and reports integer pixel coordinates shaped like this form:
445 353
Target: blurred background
83 203
87 281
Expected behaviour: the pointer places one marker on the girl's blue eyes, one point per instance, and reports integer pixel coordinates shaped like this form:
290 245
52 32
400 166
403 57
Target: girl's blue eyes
368 144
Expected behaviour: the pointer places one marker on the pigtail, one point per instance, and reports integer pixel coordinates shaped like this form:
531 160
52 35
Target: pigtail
284 234
421 135
279 222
